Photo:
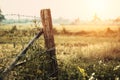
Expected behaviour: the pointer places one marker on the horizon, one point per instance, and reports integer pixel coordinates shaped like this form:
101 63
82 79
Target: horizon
82 9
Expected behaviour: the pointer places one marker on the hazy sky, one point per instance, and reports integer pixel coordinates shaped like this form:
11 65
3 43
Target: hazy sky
71 9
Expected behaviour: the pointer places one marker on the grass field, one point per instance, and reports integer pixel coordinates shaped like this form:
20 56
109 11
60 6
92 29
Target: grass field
80 57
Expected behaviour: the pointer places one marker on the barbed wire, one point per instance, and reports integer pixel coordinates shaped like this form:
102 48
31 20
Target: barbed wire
18 15
13 65
18 18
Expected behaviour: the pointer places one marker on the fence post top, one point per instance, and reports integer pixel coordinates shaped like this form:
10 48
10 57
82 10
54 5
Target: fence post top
45 9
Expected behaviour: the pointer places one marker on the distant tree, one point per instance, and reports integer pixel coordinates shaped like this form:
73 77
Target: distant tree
117 19
1 16
109 30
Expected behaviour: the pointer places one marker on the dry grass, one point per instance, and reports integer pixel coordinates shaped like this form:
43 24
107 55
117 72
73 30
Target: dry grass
85 27
72 51
87 47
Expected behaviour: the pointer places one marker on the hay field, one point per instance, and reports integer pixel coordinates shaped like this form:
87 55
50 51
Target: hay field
79 57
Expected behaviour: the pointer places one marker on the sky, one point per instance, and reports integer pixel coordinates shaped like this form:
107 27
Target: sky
69 9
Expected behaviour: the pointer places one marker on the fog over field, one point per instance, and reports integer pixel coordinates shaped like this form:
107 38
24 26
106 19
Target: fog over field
59 40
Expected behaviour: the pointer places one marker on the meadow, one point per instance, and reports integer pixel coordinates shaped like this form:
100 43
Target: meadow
83 53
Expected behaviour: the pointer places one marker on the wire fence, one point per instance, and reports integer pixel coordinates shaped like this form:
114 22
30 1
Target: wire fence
18 21
18 18
23 52
18 15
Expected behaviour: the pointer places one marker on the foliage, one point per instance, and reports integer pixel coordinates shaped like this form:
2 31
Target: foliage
1 16
79 58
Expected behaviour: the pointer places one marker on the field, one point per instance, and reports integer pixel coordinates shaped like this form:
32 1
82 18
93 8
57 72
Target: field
82 53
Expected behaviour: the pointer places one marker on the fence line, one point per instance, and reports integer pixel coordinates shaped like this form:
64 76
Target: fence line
18 18
52 66
18 15
21 54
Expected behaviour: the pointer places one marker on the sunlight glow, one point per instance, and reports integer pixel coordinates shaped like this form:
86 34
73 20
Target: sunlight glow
97 6
84 9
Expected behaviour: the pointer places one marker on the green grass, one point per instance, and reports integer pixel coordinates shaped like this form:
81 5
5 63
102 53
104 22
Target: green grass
79 57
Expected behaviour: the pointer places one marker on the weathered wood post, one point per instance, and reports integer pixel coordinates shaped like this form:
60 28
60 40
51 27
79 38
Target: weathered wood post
49 42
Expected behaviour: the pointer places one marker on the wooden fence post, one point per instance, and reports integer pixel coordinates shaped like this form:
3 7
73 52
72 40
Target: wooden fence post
52 66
